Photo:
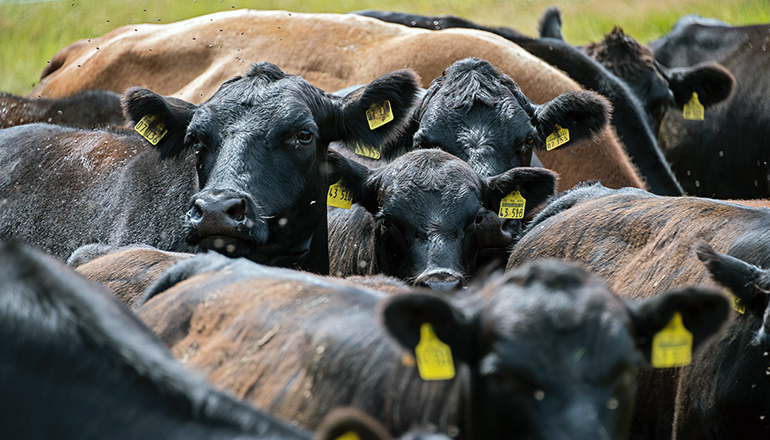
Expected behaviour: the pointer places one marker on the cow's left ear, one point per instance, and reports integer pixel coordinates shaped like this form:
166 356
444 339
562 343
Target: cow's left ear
163 120
356 178
377 113
536 185
583 113
703 311
712 82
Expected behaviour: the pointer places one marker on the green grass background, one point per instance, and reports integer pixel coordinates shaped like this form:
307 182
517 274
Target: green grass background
31 32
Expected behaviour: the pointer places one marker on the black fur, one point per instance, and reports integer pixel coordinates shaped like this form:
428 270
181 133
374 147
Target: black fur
90 109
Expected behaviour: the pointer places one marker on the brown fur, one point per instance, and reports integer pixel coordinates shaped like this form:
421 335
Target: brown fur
331 52
622 55
641 244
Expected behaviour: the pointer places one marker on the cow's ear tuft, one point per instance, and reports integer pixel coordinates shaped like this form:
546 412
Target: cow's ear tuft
536 185
583 113
163 120
712 82
356 178
391 95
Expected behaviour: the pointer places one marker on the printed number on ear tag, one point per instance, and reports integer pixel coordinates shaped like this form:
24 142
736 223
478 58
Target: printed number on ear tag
350 435
367 151
557 138
339 196
693 110
434 358
512 206
152 132
736 302
379 114
672 346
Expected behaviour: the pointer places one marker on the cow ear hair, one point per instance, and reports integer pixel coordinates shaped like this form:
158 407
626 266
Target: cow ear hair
583 113
744 280
550 24
342 420
536 185
175 115
400 88
712 82
703 311
357 178
403 316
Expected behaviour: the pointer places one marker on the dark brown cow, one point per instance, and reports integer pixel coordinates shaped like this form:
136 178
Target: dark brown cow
331 52
295 344
91 109
640 243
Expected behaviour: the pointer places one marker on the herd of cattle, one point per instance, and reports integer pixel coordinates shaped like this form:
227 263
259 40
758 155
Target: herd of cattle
509 251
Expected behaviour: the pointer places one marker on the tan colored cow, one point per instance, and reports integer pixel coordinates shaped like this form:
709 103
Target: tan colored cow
191 58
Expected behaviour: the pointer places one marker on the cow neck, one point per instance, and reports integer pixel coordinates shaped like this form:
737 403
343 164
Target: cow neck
312 255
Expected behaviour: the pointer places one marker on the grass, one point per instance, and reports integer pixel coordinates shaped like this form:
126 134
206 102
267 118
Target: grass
31 32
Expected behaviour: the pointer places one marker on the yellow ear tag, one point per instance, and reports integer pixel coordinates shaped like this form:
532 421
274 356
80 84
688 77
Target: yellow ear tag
379 114
693 110
735 301
672 346
512 206
339 196
434 358
152 132
367 151
557 138
350 435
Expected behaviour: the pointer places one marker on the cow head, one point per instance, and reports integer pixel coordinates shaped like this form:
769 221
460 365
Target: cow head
259 146
428 207
480 115
552 352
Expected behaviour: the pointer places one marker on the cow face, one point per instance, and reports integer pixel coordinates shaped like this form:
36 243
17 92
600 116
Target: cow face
428 207
480 115
552 352
259 148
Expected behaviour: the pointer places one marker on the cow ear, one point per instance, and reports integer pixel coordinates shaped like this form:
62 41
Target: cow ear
536 185
357 178
391 95
703 311
712 82
403 316
582 113
550 24
341 421
746 281
167 117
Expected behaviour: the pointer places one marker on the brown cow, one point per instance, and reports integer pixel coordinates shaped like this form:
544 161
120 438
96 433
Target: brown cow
330 51
640 243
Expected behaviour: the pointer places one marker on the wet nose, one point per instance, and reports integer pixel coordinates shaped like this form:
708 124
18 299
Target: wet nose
215 214
441 280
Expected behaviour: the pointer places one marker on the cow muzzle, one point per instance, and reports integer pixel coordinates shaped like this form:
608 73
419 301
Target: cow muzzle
222 220
441 279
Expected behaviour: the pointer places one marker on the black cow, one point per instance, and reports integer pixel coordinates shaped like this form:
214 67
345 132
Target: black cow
628 117
91 109
546 351
243 173
419 217
726 155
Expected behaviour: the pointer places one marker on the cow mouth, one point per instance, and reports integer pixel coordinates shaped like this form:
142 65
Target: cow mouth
226 245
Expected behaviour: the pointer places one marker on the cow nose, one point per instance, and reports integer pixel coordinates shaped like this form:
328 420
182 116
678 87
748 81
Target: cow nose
441 279
216 214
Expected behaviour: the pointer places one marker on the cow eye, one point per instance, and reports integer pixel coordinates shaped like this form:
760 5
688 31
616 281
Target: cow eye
530 139
479 218
386 223
304 136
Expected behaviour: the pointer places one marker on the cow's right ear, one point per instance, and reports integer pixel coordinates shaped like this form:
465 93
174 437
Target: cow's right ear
550 24
403 317
583 113
357 178
536 185
712 82
165 118
703 311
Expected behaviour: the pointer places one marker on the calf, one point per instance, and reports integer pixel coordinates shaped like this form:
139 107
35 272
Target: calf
535 351
420 217
640 243
243 173
90 109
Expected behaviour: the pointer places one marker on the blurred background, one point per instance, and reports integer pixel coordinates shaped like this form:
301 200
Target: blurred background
31 32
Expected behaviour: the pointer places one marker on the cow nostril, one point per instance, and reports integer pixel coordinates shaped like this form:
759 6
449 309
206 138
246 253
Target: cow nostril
198 208
237 211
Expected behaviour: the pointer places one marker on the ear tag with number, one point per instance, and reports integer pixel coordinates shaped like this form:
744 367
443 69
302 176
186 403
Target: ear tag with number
434 358
379 114
367 151
512 206
350 435
736 302
339 196
557 138
152 132
693 110
672 346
